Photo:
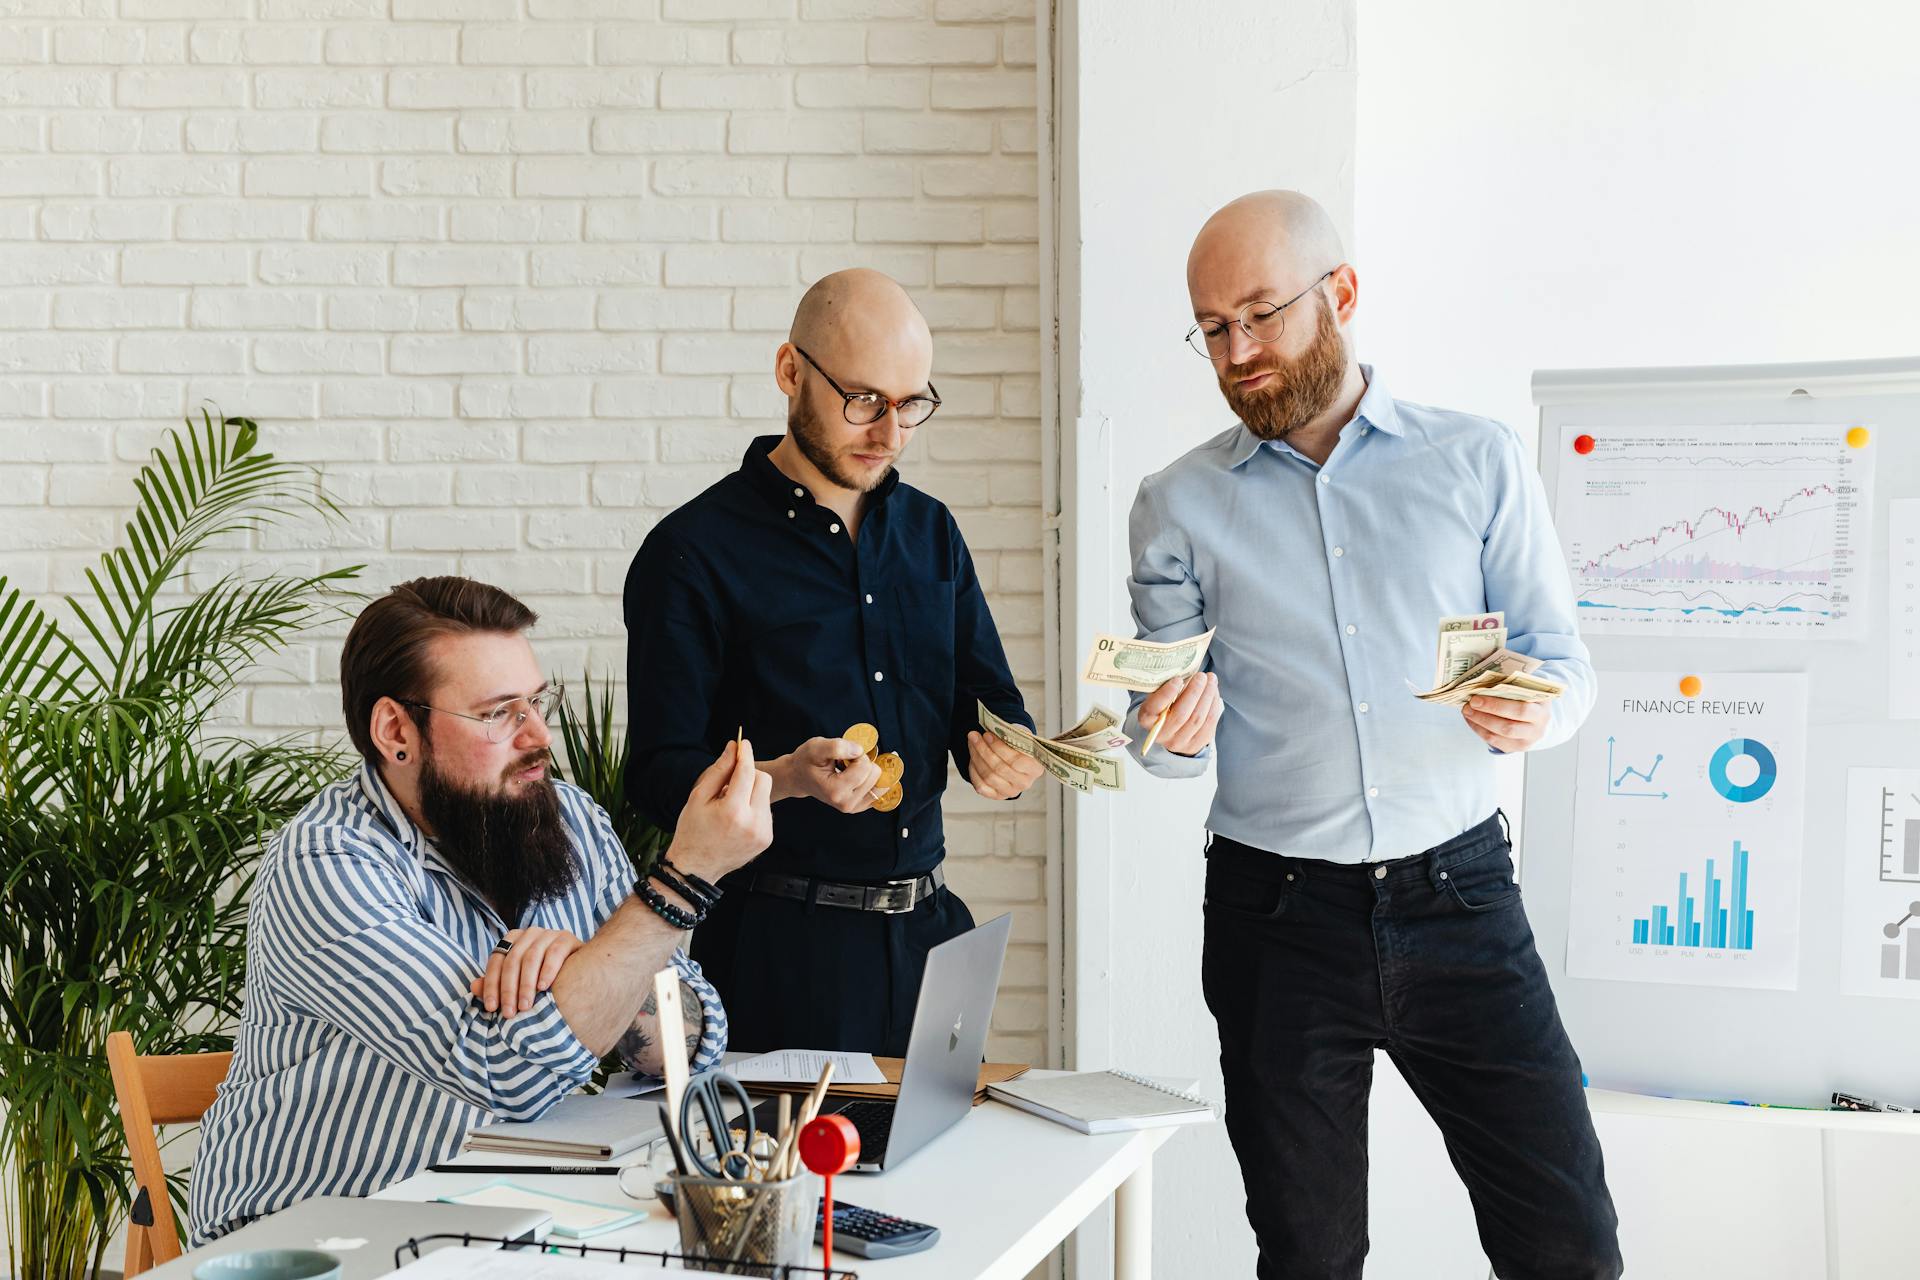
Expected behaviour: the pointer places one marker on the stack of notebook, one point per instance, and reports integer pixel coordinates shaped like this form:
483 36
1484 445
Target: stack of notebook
597 1126
1104 1101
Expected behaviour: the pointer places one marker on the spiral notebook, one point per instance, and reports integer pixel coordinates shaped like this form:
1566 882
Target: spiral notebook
1104 1101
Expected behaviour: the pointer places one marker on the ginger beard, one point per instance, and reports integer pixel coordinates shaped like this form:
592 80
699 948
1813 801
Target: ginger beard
1302 388
810 436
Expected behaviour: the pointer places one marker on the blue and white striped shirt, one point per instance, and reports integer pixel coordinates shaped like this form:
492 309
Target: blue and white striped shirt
362 1057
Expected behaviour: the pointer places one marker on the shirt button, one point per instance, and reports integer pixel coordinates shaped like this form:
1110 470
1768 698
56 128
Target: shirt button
1351 628
904 832
879 675
1325 478
1379 873
1338 552
833 528
799 493
789 515
1364 708
1373 792
869 599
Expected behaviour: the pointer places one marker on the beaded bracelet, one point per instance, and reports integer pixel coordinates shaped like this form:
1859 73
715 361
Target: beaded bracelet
701 902
682 920
707 888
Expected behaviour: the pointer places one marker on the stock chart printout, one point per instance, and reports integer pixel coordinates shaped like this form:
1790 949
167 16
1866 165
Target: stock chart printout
1688 815
1746 531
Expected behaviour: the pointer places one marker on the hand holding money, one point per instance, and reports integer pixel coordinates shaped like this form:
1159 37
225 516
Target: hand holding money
1148 666
1507 725
998 771
1077 757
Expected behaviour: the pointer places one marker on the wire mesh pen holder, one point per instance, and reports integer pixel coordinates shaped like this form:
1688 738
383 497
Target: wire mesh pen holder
762 1224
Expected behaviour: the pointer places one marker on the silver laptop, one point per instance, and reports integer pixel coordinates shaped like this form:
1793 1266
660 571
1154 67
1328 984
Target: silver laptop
943 1053
363 1234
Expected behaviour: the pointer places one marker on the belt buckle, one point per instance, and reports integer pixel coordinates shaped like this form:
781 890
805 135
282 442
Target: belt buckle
886 895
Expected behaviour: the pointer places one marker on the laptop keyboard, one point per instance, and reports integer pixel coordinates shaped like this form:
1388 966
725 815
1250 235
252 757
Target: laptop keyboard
874 1120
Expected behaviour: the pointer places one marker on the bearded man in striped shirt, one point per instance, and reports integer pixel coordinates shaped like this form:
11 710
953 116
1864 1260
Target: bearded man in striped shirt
451 936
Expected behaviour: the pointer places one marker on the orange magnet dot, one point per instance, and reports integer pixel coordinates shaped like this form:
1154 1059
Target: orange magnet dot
1690 686
1857 437
1583 444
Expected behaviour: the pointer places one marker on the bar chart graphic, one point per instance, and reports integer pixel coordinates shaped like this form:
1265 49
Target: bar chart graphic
1898 961
1899 841
1880 908
1722 920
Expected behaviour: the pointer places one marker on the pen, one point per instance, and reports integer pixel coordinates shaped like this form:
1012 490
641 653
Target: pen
525 1168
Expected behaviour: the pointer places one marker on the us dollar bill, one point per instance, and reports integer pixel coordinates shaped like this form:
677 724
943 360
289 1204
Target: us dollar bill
1144 665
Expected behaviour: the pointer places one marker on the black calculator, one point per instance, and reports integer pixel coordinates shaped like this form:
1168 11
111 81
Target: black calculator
866 1233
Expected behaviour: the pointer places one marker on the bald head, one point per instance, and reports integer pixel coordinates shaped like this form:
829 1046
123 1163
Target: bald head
1272 231
864 316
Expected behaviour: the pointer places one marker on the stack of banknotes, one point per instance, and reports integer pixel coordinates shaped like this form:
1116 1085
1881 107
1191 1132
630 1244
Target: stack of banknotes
1077 757
1473 660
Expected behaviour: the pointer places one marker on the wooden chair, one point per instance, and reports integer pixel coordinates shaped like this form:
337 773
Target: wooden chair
156 1089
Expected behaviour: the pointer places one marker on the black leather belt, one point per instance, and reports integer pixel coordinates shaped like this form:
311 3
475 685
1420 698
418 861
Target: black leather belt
889 897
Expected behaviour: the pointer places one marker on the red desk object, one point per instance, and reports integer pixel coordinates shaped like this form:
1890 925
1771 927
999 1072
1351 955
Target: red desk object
829 1145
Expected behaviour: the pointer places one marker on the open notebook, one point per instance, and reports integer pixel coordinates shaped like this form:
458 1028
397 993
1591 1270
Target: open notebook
1104 1101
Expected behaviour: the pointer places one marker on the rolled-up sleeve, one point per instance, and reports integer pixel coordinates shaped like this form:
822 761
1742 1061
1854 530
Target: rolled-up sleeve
1168 605
1526 575
342 941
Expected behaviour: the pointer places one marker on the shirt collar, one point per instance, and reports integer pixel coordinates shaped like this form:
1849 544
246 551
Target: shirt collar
1376 409
777 487
387 808
415 841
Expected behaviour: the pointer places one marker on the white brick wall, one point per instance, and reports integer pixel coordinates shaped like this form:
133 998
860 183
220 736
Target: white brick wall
512 272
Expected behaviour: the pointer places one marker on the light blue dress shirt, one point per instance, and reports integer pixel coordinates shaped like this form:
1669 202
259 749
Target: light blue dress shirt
1326 584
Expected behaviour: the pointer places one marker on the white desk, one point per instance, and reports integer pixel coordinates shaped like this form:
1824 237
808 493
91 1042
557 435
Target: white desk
1004 1187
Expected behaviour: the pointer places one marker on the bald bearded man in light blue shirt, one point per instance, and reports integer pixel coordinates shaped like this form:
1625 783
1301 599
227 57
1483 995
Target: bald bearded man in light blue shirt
1360 887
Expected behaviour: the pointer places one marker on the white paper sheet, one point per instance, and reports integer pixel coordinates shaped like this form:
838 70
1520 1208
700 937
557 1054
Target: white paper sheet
1688 821
802 1066
1880 911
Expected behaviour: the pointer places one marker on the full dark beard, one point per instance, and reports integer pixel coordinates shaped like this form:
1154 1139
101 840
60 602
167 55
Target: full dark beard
513 848
811 439
1302 389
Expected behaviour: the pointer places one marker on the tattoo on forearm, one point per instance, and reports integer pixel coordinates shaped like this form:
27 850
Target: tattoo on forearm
634 1046
693 1015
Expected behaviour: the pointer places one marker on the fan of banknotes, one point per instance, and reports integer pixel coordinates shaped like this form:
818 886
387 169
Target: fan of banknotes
1473 659
1078 756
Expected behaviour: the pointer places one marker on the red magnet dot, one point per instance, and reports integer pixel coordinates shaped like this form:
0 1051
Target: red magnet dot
1583 444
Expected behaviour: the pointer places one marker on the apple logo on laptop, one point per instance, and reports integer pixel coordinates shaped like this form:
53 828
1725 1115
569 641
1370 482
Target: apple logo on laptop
953 1037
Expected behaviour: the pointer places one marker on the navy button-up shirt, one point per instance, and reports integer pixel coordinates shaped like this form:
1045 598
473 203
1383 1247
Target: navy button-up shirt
751 607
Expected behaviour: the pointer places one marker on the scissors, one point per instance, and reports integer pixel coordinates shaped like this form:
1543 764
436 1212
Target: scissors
711 1091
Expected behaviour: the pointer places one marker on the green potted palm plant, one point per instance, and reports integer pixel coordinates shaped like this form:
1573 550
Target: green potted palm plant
131 823
597 752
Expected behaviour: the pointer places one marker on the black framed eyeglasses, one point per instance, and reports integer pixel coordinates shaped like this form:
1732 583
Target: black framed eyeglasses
864 408
1264 322
506 720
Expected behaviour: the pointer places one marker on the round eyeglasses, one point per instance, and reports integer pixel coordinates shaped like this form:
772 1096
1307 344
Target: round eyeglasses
1262 321
864 408
506 720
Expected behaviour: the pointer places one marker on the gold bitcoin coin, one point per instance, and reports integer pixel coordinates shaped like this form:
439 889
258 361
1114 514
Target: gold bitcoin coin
892 769
866 735
891 800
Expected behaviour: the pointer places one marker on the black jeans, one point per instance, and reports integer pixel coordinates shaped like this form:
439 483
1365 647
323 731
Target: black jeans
1310 966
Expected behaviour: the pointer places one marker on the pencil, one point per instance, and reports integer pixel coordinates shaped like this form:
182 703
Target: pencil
1158 724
